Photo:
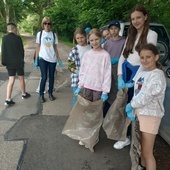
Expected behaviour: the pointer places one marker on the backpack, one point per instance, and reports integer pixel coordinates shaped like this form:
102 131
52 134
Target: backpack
40 41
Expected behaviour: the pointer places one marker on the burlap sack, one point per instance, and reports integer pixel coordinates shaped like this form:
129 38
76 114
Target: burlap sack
84 122
135 148
115 123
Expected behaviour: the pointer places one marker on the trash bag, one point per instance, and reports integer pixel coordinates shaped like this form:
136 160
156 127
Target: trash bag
84 122
115 123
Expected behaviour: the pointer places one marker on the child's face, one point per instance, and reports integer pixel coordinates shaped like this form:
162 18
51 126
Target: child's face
138 20
81 39
95 41
106 34
148 59
114 31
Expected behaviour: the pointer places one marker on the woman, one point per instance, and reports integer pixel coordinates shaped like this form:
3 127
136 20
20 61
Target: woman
139 34
46 57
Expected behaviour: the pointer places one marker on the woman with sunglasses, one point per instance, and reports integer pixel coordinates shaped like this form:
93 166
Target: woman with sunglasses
46 57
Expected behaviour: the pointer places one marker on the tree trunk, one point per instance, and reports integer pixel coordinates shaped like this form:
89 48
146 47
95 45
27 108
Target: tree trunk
6 10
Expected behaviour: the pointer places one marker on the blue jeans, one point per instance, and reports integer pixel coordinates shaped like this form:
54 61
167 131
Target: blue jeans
74 96
46 67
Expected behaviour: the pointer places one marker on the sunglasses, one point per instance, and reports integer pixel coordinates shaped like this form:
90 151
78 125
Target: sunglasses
47 23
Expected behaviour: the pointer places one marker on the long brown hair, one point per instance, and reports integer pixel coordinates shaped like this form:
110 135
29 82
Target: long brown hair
154 50
132 32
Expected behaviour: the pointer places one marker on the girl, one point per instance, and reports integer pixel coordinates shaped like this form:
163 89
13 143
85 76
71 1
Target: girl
148 100
75 58
139 34
95 71
47 56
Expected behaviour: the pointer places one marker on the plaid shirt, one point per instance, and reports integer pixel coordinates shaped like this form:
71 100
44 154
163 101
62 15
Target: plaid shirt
74 64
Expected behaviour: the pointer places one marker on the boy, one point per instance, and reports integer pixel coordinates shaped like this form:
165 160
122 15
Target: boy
13 59
114 46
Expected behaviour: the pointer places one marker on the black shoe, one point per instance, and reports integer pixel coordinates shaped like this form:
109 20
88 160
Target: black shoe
8 103
27 95
41 99
51 97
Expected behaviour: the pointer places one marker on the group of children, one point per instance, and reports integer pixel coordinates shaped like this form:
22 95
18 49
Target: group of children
99 71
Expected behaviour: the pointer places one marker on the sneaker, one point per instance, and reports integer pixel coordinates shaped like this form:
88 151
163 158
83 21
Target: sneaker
41 99
26 95
37 91
141 167
81 143
9 102
51 97
121 144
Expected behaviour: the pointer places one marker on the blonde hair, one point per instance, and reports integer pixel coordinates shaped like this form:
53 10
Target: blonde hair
96 32
46 19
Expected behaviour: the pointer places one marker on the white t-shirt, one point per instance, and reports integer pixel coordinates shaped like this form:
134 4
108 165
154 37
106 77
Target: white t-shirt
82 50
134 58
46 48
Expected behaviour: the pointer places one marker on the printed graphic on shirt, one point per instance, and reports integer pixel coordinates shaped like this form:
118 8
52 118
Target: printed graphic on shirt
139 85
48 41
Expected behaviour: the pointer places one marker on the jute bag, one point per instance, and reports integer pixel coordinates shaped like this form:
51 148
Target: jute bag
84 122
115 123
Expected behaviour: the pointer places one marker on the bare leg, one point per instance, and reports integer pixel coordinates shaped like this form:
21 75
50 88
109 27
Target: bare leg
22 84
10 87
147 157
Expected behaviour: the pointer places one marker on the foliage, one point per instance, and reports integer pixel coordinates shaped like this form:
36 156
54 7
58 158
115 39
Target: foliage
67 15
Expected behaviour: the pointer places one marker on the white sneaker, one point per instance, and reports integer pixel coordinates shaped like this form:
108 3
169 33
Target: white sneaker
81 143
121 144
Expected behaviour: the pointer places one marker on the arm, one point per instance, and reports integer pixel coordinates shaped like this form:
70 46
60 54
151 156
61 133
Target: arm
57 53
3 59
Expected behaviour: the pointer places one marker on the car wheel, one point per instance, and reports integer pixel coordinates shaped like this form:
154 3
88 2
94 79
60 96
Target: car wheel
163 52
167 72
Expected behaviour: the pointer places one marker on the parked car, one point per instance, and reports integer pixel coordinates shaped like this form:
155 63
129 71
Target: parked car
163 43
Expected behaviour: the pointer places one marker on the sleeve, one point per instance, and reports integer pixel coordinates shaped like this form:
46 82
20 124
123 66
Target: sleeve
151 88
71 61
3 60
121 60
107 76
22 47
152 37
38 38
81 73
56 38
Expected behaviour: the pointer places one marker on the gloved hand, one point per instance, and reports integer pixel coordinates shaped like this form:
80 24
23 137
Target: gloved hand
104 97
121 83
103 40
114 60
129 85
36 63
60 63
77 91
130 112
87 30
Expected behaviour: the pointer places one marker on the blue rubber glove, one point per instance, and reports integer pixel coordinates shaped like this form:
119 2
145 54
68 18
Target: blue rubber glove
103 40
114 60
87 30
129 85
77 91
60 63
104 97
130 112
121 83
36 63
